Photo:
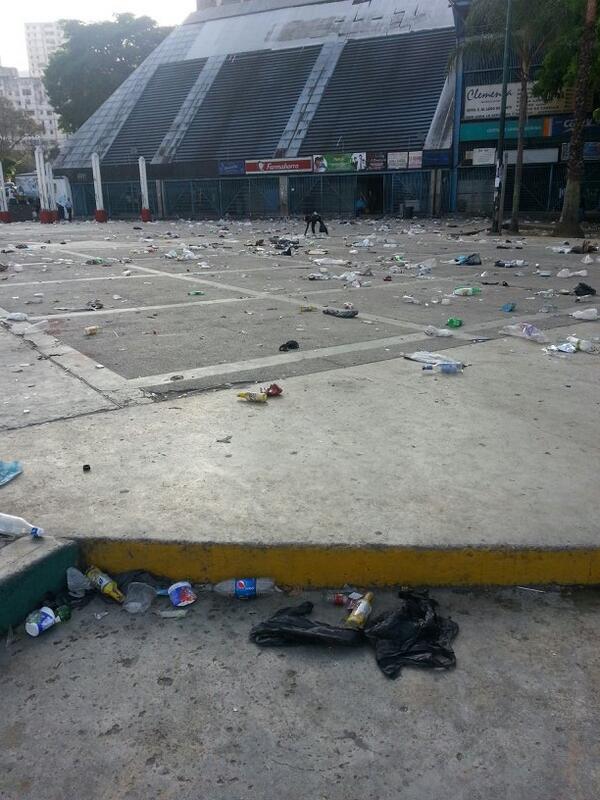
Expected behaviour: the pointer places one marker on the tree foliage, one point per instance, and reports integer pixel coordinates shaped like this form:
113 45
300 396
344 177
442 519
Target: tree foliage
559 68
16 126
94 61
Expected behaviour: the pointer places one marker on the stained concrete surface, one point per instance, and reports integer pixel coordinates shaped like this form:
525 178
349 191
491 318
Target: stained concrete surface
504 454
133 708
376 453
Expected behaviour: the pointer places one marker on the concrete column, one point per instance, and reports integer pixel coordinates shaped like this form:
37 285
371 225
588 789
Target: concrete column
46 215
100 215
5 215
146 214
284 187
52 206
160 200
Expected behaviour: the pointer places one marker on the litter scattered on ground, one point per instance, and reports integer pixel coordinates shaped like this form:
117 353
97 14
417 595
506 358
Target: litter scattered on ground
181 594
413 634
586 314
343 313
253 397
91 330
291 344
18 527
9 470
524 330
104 584
431 330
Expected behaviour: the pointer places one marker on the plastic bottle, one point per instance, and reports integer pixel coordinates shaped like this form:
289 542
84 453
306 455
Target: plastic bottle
586 314
466 291
253 397
360 614
431 330
104 584
245 588
444 369
584 345
454 322
17 526
42 619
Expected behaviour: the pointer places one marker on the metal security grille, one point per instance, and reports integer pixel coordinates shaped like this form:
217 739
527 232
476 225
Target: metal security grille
121 199
234 197
410 193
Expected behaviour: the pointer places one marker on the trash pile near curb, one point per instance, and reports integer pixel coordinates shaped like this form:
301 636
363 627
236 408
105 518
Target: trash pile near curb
411 634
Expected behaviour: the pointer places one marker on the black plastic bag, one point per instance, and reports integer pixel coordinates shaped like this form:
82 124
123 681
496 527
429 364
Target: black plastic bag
583 290
412 635
291 626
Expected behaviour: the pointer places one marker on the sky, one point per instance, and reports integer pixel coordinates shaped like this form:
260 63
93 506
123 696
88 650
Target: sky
13 17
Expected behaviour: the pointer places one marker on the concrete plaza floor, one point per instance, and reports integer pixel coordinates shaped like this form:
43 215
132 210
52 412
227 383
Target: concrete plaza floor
142 707
361 449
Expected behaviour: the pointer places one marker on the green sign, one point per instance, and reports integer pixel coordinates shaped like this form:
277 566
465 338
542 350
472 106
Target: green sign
340 162
488 131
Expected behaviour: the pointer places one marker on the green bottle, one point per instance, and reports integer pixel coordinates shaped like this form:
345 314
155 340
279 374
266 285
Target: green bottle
454 322
467 291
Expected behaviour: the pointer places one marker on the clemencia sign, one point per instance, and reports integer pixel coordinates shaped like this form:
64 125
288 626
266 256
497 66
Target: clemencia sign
483 102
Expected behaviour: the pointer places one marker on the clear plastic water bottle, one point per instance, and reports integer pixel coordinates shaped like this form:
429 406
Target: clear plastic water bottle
17 526
246 588
444 369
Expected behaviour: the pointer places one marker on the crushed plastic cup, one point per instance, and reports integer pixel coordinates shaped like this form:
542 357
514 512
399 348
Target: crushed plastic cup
182 594
39 621
139 597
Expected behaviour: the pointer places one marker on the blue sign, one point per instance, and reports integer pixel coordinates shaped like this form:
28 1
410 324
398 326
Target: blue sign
232 167
436 158
563 126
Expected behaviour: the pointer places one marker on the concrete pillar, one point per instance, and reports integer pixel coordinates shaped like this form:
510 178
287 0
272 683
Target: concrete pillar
146 213
52 206
100 215
284 187
46 215
160 200
5 215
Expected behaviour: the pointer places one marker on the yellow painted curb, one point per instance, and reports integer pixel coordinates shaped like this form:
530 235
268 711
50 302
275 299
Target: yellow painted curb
309 565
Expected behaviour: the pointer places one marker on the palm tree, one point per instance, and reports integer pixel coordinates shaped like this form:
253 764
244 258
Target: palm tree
569 225
535 25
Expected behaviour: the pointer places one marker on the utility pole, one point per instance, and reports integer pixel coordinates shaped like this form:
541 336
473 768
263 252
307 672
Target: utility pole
498 193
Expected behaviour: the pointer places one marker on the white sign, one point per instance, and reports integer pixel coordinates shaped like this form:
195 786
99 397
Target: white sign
397 160
483 102
545 155
415 159
484 156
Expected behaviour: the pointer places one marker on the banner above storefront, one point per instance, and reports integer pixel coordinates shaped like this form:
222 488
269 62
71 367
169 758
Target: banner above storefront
340 162
232 167
271 165
483 102
488 131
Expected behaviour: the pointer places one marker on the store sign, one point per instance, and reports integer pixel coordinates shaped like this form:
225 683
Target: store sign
232 167
376 162
436 158
488 131
563 126
415 159
397 160
269 165
542 155
591 151
340 162
483 156
483 102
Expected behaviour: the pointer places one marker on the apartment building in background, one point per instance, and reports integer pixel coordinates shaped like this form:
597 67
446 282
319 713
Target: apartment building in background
27 92
42 40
